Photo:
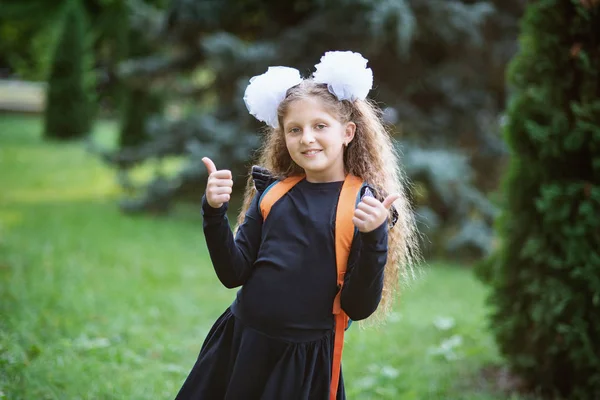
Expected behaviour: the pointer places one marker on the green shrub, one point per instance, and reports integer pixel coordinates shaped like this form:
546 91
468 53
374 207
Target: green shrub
546 272
69 110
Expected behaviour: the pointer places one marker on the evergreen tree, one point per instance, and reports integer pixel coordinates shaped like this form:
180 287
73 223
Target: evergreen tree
68 112
138 105
134 103
546 273
439 71
119 39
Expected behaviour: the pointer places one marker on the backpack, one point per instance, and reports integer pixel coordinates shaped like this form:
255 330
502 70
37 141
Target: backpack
350 196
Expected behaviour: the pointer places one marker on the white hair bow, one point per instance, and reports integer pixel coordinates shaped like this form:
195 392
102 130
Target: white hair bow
345 73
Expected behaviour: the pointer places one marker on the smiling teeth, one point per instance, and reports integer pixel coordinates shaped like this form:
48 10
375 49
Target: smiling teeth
312 152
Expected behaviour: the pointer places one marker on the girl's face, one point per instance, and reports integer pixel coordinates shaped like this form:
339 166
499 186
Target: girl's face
315 139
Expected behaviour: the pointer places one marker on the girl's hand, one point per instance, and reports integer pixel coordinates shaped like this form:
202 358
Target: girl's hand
219 184
371 213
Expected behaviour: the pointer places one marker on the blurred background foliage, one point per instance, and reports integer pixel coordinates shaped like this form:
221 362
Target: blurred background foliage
494 107
173 73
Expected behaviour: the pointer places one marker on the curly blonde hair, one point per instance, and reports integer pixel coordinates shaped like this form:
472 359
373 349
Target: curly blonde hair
372 156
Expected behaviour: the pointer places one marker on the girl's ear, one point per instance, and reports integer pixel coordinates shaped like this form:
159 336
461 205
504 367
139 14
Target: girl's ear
349 133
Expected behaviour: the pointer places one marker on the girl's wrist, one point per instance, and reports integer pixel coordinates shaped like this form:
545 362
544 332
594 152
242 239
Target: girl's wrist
377 234
207 209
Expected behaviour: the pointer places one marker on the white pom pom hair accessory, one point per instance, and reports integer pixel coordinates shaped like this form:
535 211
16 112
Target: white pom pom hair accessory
266 91
345 73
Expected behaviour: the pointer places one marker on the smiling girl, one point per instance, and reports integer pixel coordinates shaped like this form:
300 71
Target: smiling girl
279 339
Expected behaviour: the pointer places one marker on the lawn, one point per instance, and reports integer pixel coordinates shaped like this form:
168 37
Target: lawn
95 304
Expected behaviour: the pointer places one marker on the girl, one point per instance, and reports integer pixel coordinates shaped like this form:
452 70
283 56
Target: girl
278 338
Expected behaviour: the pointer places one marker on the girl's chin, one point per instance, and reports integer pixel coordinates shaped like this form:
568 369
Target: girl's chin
307 165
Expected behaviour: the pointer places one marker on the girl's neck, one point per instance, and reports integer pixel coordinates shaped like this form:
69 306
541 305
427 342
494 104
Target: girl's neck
316 178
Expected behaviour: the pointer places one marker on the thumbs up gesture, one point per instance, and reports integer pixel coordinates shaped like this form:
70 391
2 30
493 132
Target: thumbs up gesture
371 213
219 185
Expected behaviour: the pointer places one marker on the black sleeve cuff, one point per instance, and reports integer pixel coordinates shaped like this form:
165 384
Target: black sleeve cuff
208 211
377 236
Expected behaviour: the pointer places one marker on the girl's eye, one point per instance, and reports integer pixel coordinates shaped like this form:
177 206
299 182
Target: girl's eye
321 126
294 130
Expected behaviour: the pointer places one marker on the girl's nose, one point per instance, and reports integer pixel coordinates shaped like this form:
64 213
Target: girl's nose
307 136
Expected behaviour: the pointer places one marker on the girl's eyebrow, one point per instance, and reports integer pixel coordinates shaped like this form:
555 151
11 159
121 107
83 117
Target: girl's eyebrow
290 125
312 121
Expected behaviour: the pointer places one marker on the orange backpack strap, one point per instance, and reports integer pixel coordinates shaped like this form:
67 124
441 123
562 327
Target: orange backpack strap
344 233
275 191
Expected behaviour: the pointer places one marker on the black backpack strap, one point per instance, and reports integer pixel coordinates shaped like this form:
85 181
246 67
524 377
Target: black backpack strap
262 178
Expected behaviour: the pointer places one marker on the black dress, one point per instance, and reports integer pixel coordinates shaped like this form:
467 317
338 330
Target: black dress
275 341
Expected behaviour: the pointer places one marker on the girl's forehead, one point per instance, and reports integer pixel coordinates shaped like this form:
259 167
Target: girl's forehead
308 107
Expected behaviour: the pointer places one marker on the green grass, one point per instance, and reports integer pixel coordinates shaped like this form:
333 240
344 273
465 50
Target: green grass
98 305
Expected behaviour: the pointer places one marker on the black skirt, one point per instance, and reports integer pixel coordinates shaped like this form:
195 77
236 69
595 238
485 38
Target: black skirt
239 362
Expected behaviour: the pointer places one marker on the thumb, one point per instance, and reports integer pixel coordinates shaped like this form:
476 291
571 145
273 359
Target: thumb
387 203
210 165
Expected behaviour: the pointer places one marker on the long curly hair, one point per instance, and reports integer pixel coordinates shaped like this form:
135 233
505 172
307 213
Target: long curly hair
372 156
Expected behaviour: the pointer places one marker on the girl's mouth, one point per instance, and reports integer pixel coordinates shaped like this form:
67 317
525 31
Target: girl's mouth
311 152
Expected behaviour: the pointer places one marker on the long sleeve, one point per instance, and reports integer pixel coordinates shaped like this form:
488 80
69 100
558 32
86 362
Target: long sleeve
363 284
232 258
